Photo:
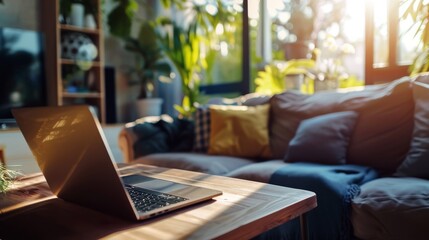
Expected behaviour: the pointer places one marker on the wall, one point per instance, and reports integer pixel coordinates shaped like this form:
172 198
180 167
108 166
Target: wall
18 155
20 14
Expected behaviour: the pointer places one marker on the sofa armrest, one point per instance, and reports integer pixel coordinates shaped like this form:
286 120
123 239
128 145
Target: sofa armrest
159 134
126 140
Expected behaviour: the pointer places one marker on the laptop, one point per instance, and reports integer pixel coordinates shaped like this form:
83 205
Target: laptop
73 155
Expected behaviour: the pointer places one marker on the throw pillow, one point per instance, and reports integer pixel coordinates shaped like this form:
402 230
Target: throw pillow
202 116
240 131
416 164
323 139
382 135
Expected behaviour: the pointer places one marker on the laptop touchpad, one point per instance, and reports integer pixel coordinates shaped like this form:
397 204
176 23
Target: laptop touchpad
153 183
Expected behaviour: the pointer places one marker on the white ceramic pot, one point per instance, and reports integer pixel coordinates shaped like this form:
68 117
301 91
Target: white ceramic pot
148 107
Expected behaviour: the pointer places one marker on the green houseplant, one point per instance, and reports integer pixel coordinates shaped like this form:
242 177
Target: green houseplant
418 10
182 46
7 177
149 65
149 60
272 79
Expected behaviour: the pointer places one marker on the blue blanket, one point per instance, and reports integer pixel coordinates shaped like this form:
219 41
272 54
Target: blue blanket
335 187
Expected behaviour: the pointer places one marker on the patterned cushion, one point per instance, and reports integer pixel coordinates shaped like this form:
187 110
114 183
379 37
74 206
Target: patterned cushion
202 129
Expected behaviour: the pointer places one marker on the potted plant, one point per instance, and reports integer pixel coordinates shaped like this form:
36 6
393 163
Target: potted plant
150 66
7 177
183 48
275 76
184 44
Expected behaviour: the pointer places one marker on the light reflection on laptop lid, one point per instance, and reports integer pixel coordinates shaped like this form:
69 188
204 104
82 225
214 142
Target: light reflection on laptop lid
71 151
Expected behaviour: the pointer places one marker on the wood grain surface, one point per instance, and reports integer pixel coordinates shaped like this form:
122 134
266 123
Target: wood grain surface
244 210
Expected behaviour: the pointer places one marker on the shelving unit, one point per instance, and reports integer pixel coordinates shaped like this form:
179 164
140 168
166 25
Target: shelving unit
62 90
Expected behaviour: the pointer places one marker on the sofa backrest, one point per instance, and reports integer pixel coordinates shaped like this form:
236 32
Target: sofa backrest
381 136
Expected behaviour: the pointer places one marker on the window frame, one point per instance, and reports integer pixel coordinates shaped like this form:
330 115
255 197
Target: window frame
393 70
242 87
372 74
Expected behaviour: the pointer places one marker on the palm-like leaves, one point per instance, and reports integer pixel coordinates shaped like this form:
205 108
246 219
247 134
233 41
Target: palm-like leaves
7 177
272 79
183 48
418 10
120 18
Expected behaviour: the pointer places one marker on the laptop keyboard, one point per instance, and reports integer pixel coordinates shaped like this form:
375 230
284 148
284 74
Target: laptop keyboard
146 200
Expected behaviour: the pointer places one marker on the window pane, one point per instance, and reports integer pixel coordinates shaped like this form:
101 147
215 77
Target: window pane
408 41
381 37
254 34
334 27
224 54
353 32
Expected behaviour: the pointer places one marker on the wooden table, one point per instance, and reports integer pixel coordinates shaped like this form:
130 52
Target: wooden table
245 209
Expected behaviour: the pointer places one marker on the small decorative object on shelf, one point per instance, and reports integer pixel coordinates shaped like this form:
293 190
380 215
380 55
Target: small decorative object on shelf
90 21
76 14
77 46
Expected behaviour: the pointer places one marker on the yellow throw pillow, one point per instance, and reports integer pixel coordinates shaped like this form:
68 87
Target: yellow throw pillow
240 131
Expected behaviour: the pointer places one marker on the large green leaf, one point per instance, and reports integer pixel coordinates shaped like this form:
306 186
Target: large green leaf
120 18
147 36
272 79
119 22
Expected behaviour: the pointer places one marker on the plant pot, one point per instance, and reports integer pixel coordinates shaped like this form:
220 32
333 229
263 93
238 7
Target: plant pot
296 50
326 84
294 81
148 107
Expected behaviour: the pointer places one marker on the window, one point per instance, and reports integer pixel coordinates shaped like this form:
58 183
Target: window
290 29
384 44
225 73
390 41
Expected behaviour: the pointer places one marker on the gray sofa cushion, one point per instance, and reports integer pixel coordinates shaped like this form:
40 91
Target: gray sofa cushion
392 208
217 165
260 172
416 164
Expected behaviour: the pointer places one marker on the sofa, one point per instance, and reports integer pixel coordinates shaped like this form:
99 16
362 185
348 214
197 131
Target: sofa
370 145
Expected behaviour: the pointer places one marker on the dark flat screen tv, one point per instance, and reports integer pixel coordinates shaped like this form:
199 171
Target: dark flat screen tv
22 71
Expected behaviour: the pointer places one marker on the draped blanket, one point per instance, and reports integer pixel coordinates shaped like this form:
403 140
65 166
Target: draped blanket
335 186
163 136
